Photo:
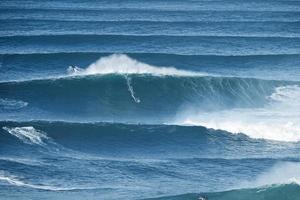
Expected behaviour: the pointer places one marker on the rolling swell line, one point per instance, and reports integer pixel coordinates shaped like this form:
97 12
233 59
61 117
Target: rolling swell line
136 28
101 54
99 138
157 5
133 14
209 45
141 21
141 36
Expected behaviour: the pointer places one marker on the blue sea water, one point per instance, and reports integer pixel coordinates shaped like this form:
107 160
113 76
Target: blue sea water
130 99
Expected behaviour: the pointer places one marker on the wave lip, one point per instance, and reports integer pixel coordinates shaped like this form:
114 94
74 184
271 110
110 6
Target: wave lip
15 67
122 64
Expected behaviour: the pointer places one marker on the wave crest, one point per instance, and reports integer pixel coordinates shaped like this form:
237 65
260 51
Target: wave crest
122 64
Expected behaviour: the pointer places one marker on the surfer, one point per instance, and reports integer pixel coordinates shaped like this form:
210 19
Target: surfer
73 69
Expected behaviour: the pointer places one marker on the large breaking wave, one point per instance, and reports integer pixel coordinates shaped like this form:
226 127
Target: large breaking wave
118 88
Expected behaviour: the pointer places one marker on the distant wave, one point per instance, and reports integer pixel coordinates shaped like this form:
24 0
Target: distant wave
160 6
188 45
150 28
175 21
150 56
150 15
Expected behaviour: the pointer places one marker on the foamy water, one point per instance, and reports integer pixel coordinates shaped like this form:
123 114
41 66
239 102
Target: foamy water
122 64
279 120
28 135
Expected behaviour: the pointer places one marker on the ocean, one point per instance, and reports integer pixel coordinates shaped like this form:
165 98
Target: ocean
131 99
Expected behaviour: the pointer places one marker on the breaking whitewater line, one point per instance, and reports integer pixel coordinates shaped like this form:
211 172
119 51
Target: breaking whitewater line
123 64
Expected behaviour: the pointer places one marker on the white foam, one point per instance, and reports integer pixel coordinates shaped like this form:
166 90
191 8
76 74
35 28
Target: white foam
122 64
287 95
279 120
281 173
12 104
28 135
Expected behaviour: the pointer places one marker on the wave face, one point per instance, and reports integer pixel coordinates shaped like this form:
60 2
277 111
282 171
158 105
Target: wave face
131 99
100 138
113 96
